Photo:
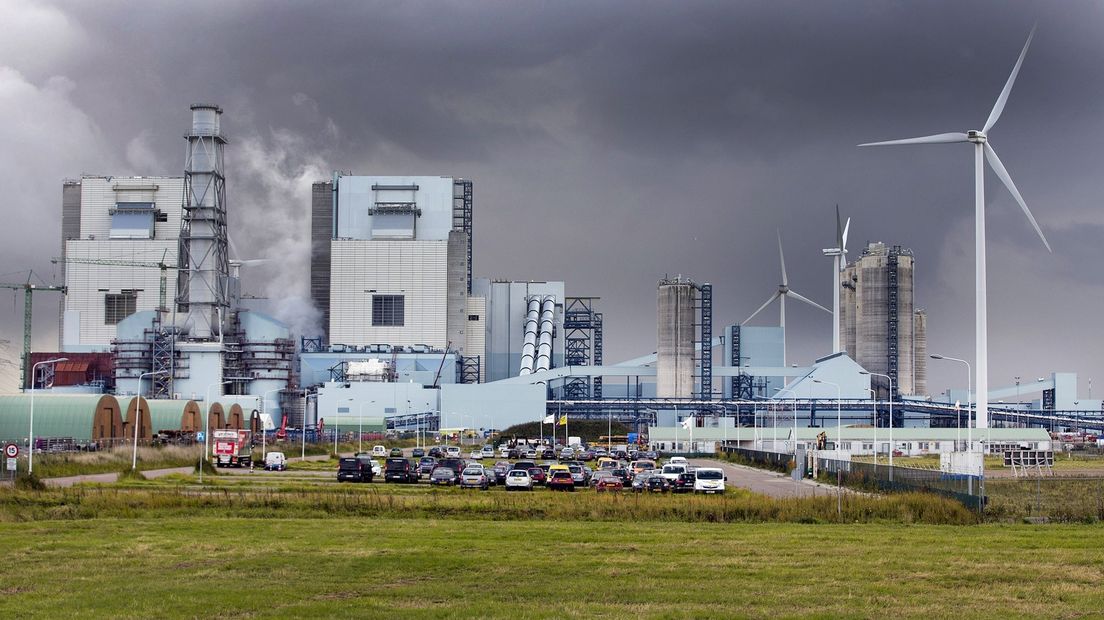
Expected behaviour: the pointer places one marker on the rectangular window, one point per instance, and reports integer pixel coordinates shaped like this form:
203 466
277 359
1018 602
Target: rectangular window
118 306
388 310
473 317
132 220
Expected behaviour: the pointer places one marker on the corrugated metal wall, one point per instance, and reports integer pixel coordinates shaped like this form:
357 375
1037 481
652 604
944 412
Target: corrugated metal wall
675 360
321 233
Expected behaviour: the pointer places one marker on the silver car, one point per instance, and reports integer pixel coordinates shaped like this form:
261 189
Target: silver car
474 478
518 480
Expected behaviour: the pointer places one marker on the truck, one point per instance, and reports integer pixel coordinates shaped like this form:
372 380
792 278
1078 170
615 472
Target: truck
232 448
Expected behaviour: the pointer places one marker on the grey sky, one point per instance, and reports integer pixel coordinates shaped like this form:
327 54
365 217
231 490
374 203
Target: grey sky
611 143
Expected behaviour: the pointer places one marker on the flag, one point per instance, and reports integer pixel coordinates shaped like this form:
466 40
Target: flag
688 422
563 420
550 420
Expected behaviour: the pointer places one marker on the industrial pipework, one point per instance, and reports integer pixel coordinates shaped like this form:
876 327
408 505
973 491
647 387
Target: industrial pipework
529 348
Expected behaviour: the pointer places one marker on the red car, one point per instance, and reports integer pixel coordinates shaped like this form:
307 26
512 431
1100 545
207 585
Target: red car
561 480
538 475
609 483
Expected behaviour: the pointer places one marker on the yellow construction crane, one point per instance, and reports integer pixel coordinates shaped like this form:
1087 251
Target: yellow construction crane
162 265
28 295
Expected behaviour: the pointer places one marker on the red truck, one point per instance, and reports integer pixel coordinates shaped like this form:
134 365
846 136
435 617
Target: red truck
232 448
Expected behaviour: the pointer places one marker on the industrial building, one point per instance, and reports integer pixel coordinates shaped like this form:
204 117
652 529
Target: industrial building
148 278
879 324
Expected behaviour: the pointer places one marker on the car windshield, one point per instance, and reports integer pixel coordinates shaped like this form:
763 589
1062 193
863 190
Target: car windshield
518 474
442 472
673 469
709 474
575 469
473 471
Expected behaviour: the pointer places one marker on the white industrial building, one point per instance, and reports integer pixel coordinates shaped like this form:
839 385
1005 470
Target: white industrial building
116 230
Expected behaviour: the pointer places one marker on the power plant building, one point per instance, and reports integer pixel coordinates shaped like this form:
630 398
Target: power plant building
880 327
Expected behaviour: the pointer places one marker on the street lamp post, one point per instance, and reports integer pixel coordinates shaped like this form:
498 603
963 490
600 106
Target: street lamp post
207 424
874 410
138 414
839 442
30 432
891 446
360 426
969 393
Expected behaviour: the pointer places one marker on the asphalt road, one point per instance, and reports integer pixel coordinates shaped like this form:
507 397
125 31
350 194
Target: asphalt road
766 482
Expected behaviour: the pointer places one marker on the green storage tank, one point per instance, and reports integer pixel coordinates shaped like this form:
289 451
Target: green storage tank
83 417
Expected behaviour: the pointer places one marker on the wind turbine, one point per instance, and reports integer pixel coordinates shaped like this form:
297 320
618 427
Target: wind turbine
839 263
983 151
781 294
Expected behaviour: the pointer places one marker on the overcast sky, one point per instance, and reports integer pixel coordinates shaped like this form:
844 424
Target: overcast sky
610 143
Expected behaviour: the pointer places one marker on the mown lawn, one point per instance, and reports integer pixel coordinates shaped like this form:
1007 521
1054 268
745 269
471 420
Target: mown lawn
457 568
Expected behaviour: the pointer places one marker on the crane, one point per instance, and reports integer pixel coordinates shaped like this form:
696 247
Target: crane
162 265
28 295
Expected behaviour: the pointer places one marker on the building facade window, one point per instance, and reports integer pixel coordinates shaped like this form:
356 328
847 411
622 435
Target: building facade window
118 306
388 310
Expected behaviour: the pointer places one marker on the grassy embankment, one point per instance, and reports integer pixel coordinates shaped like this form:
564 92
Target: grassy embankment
455 568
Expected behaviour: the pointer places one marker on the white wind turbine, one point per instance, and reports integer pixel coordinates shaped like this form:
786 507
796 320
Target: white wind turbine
982 151
781 294
839 263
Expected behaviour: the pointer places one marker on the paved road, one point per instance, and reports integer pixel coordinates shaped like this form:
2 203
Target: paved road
766 482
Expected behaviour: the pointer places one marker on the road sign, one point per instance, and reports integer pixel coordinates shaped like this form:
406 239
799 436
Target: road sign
200 436
11 450
12 464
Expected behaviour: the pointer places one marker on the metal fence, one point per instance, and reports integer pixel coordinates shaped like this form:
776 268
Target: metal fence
1049 498
970 490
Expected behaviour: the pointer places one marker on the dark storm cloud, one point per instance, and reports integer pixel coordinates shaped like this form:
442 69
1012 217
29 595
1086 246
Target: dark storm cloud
612 143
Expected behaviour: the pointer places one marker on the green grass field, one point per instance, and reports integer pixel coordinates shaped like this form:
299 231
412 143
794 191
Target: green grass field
459 568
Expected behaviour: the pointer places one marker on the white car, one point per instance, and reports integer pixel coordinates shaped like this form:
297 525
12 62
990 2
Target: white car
671 471
380 451
453 452
518 479
476 455
275 461
488 452
377 469
677 460
504 451
709 480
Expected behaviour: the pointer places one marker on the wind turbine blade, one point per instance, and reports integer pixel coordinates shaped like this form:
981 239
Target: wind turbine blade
782 259
765 304
998 167
939 138
998 107
808 301
846 227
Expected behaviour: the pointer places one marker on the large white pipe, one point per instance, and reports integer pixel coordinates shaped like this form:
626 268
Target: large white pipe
544 349
529 348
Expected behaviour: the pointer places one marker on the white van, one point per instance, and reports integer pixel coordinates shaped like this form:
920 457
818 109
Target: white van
379 451
671 471
709 480
275 461
677 460
453 452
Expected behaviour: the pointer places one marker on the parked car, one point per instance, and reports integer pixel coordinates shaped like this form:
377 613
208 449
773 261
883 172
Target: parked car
651 455
561 481
353 470
369 462
530 454
599 476
426 465
677 460
524 465
476 455
538 475
442 476
579 475
488 452
399 470
275 461
622 474
379 451
588 456
671 471
435 452
518 480
547 453
567 454
500 470
417 453
456 465
709 480
396 452
684 483
657 484
453 452
609 483
504 451
474 477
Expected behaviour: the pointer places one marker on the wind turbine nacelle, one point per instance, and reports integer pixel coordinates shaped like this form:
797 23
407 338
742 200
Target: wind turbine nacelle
975 136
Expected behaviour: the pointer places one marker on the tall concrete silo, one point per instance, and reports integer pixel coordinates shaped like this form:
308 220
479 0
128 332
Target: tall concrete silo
675 358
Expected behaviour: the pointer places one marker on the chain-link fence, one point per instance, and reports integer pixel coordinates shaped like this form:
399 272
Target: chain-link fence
970 490
1065 499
